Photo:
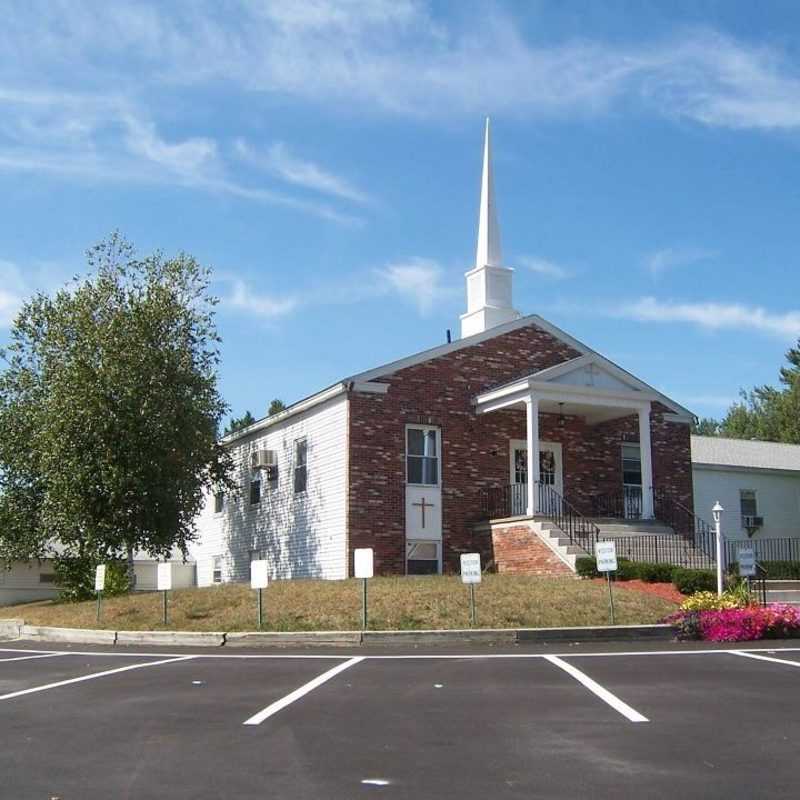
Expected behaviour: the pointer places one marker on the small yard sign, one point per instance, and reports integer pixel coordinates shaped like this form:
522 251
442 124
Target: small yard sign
100 578
363 568
164 577
259 574
606 555
363 562
470 567
747 561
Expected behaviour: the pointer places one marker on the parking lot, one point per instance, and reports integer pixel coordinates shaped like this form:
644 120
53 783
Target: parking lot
566 722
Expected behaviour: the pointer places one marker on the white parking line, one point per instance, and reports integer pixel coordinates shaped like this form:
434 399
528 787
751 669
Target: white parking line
90 677
618 705
275 707
765 658
30 658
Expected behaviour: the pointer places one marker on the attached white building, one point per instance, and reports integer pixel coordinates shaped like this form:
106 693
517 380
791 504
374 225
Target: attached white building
757 483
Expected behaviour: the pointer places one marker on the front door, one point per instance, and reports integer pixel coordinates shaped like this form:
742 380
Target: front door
631 480
551 472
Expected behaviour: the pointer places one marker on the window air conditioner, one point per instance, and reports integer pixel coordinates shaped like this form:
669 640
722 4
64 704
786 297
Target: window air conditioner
753 522
263 459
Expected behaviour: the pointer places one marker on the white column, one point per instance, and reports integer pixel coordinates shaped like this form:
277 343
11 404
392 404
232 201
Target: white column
646 451
532 414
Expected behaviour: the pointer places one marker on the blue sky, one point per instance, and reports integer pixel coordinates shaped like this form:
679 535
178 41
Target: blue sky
324 159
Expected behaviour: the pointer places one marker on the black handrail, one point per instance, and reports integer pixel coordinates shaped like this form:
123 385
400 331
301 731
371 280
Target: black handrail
578 529
760 582
685 522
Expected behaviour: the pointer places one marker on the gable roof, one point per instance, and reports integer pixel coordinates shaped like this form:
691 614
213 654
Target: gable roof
745 454
451 347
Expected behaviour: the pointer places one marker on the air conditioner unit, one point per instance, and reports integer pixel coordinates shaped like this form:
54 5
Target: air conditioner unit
263 459
753 522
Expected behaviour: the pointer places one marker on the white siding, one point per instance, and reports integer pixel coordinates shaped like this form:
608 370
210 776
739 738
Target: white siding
21 583
183 575
777 497
303 535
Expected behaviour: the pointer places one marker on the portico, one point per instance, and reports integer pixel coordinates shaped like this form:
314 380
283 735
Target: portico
590 388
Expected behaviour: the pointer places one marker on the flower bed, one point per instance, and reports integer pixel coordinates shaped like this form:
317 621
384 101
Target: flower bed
746 624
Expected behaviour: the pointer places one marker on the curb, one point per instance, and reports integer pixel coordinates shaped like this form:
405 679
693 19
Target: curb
16 629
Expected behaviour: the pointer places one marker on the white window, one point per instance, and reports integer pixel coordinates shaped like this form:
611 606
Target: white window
422 557
216 575
300 466
422 456
219 502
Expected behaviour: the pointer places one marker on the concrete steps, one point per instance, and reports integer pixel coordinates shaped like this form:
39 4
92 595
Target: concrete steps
783 591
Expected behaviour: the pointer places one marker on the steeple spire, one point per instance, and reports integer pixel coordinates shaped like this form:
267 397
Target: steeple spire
488 230
488 282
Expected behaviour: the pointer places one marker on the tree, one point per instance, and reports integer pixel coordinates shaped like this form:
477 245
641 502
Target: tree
705 427
109 411
275 407
767 412
239 423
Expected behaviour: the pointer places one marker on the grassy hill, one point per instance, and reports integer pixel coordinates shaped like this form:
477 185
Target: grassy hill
503 601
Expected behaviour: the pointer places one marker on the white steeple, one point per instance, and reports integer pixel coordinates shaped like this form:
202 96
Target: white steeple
488 283
488 230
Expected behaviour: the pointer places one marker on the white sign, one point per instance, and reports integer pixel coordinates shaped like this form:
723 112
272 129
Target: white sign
100 577
164 577
606 555
470 568
747 561
259 574
363 562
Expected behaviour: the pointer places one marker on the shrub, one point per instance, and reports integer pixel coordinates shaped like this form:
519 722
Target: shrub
787 570
689 581
775 621
75 578
687 625
586 567
655 573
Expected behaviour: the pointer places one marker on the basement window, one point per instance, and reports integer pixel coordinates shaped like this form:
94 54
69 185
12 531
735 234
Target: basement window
47 577
422 558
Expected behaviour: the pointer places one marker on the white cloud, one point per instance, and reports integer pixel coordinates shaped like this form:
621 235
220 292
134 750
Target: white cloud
714 316
418 280
671 257
278 160
545 267
14 290
398 55
106 138
262 305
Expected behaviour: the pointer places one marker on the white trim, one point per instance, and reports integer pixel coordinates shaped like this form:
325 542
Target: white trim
423 427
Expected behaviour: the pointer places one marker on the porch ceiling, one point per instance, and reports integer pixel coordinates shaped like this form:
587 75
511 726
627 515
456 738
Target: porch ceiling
593 414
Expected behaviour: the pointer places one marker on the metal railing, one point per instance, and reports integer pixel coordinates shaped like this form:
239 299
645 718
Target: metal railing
578 529
497 502
625 504
782 549
685 522
660 549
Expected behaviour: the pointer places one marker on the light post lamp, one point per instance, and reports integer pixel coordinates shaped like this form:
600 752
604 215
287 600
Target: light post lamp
717 513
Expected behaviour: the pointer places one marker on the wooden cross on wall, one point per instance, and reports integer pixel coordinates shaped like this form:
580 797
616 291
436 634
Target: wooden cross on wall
422 505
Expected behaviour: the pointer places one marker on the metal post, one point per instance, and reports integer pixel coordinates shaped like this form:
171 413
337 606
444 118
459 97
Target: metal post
472 616
99 596
165 607
260 610
610 598
364 606
718 526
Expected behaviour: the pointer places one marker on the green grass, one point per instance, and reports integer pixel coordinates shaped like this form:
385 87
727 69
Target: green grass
503 601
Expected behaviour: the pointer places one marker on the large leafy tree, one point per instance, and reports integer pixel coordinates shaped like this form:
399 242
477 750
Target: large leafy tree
109 410
768 412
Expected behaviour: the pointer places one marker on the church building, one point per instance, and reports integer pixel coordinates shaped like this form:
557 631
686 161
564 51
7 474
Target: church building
508 441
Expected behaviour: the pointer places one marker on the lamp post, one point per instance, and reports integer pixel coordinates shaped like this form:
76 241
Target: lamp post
717 514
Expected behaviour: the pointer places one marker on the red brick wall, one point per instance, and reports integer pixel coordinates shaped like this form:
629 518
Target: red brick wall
518 550
475 449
